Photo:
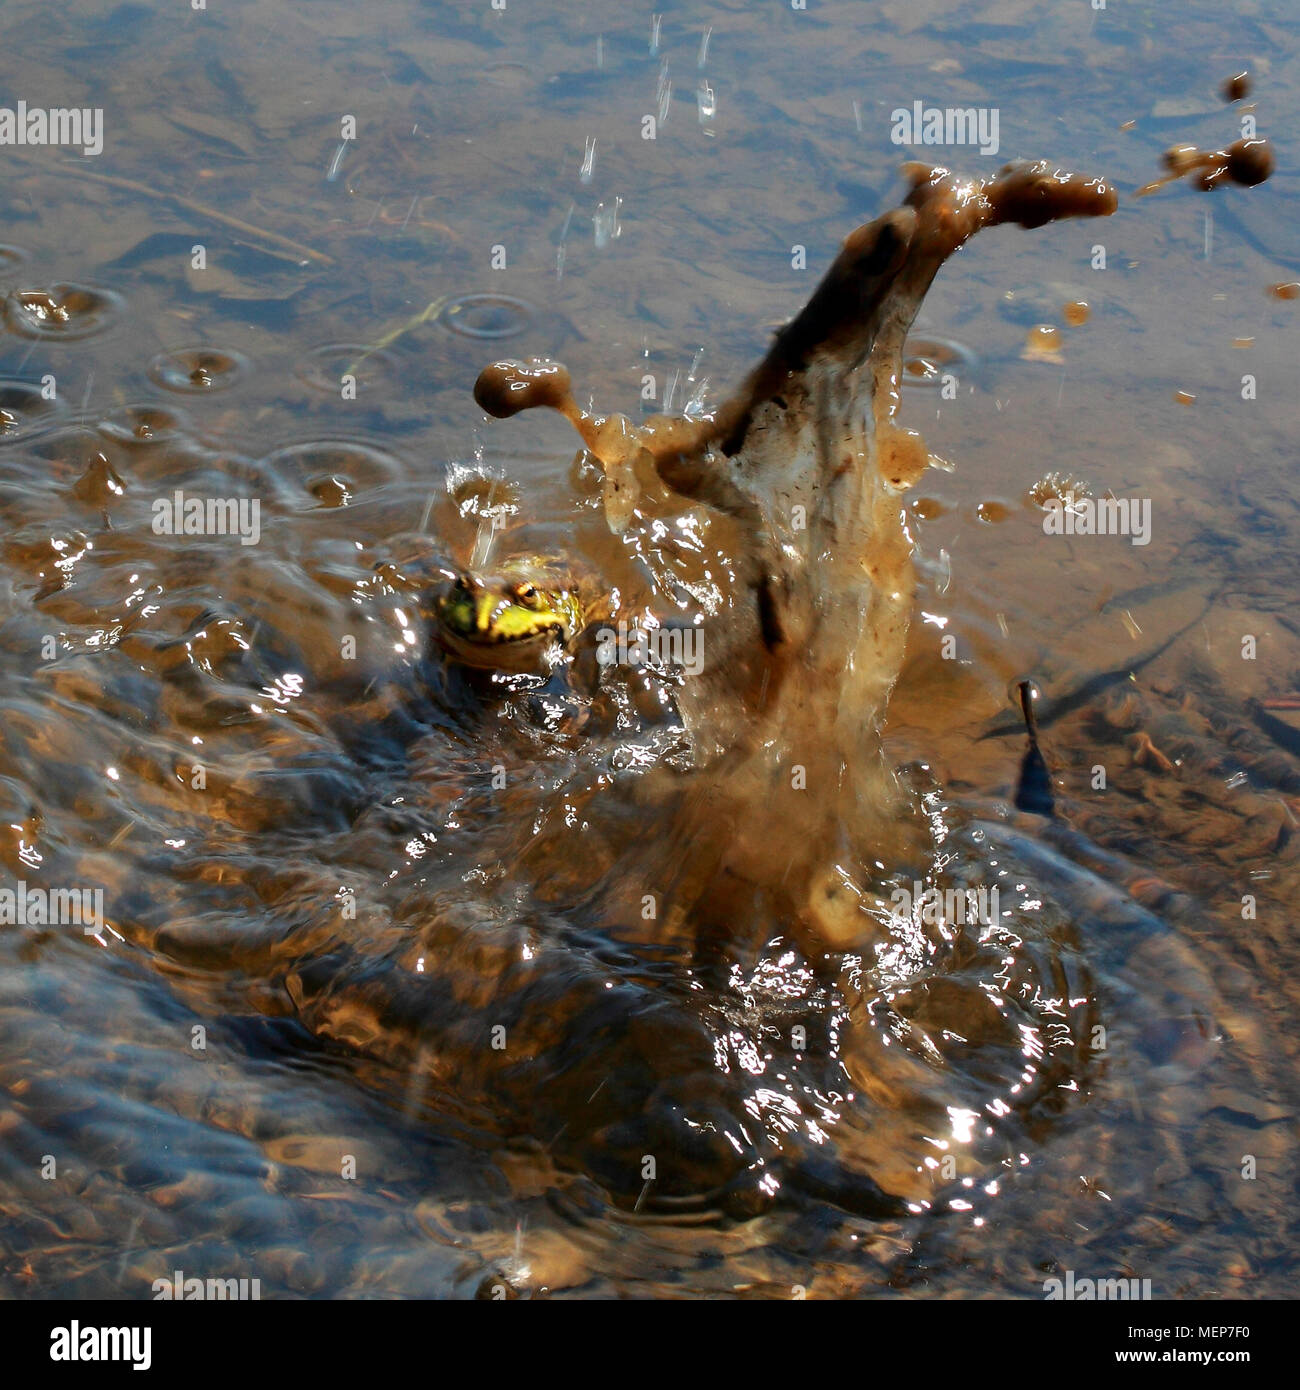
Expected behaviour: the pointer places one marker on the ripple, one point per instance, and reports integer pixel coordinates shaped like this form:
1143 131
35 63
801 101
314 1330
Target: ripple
11 255
334 472
925 360
61 311
506 74
143 424
197 370
324 367
490 316
24 412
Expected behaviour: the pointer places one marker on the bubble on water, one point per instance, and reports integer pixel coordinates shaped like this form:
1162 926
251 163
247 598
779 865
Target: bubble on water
143 424
489 316
24 411
324 368
335 472
61 311
926 361
197 370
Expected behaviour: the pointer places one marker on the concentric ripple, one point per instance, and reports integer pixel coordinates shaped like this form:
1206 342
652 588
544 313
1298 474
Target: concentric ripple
64 311
325 367
24 411
334 472
488 316
140 425
197 370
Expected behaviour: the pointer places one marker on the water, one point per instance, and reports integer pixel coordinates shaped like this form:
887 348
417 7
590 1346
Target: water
286 829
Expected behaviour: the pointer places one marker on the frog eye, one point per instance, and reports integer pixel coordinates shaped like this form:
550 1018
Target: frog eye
527 593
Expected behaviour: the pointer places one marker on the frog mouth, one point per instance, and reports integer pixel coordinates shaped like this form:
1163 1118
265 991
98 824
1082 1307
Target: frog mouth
497 638
493 649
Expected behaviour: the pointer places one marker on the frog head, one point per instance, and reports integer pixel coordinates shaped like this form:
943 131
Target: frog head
512 620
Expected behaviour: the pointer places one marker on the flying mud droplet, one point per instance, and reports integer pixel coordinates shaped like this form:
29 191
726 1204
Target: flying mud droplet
927 508
1184 397
488 316
1244 162
927 360
62 311
24 412
197 370
993 511
1076 313
1237 87
324 368
1286 289
334 473
1043 344
141 425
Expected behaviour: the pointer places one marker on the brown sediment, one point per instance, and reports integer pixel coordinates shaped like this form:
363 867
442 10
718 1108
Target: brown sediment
1244 162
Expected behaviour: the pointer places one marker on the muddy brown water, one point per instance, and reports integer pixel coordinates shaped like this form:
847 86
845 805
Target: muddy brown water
330 869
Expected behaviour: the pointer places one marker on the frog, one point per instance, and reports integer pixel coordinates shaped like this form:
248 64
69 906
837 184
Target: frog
519 618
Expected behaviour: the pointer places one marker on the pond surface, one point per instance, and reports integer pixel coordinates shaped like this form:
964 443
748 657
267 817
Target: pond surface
332 865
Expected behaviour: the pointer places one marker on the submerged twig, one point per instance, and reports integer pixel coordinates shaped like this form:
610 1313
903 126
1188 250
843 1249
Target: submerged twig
190 205
425 314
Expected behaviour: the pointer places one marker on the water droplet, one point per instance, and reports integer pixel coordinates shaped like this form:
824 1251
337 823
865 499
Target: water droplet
1027 698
